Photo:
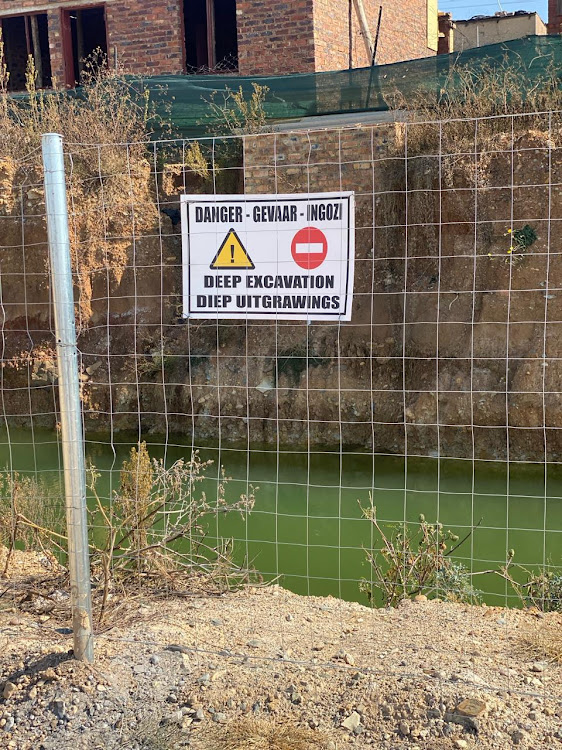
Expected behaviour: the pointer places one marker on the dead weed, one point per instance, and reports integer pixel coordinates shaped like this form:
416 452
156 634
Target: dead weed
263 734
544 639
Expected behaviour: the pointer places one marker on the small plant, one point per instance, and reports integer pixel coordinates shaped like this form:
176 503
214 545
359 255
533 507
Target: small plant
230 112
179 165
415 559
543 640
456 582
542 589
133 500
156 363
236 113
520 240
196 161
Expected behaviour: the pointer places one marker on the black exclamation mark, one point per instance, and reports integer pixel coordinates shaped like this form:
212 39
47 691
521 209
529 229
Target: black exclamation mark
232 253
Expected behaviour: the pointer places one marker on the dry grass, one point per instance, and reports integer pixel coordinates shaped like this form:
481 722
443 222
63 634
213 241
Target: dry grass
156 526
31 515
110 186
233 112
490 93
464 136
544 640
263 734
154 533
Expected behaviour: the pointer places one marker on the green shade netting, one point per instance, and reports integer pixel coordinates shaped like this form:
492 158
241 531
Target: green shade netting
184 98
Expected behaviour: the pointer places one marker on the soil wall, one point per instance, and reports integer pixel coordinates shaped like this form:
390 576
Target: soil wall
453 348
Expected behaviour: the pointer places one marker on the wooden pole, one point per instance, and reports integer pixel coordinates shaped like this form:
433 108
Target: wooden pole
211 45
37 50
365 33
80 43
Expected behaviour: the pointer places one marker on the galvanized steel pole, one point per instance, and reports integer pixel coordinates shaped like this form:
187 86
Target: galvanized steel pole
69 394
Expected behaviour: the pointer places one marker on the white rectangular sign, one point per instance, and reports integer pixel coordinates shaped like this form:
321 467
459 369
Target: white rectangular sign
286 257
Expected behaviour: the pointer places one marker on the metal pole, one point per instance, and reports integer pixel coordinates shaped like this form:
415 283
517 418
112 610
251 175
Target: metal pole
69 393
374 58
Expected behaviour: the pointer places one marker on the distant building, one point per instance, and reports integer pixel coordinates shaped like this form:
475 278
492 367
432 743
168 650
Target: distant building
252 37
554 16
501 27
446 33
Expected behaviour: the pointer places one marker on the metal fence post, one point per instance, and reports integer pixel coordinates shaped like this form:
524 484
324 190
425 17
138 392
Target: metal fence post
69 393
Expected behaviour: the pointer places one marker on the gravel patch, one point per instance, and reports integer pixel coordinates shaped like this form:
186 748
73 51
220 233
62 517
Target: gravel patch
426 675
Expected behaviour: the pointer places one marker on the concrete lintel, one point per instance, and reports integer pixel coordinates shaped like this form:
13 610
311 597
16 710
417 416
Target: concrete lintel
19 9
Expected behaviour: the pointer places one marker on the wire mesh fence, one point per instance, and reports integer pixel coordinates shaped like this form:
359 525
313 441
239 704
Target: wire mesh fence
414 450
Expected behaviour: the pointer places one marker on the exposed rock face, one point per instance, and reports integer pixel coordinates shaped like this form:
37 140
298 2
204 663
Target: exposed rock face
453 347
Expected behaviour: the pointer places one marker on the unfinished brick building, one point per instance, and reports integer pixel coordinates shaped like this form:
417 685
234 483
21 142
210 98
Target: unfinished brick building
554 16
253 37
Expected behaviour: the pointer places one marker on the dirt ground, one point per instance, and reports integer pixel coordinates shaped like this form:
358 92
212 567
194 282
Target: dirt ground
192 670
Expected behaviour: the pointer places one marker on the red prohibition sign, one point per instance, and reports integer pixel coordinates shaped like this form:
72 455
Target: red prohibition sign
309 248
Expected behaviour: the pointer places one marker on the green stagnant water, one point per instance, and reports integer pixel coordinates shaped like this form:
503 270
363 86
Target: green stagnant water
307 525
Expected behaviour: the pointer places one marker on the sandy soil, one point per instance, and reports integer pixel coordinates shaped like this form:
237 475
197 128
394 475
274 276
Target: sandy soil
178 672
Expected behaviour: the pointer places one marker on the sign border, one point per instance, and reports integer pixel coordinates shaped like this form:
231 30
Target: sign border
187 198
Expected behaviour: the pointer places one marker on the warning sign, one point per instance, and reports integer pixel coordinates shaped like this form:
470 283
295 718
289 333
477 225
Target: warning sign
288 257
232 254
309 247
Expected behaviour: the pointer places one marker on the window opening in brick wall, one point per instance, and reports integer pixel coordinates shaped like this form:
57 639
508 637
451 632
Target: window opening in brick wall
24 36
84 39
211 38
226 35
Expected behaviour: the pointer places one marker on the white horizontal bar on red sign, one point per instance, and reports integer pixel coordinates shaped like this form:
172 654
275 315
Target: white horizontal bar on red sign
309 248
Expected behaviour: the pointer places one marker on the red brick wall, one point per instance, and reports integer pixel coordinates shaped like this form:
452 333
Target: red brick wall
55 46
306 35
446 34
148 35
403 32
293 36
554 17
275 37
53 17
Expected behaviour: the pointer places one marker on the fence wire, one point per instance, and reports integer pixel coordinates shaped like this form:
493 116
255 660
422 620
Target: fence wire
439 401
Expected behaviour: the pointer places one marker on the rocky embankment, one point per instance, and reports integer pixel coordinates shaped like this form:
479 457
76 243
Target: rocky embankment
452 350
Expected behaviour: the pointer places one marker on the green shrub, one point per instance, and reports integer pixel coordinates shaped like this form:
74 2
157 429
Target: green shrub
544 591
414 558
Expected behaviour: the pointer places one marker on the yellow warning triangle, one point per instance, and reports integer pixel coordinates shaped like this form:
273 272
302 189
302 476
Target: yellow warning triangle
232 254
